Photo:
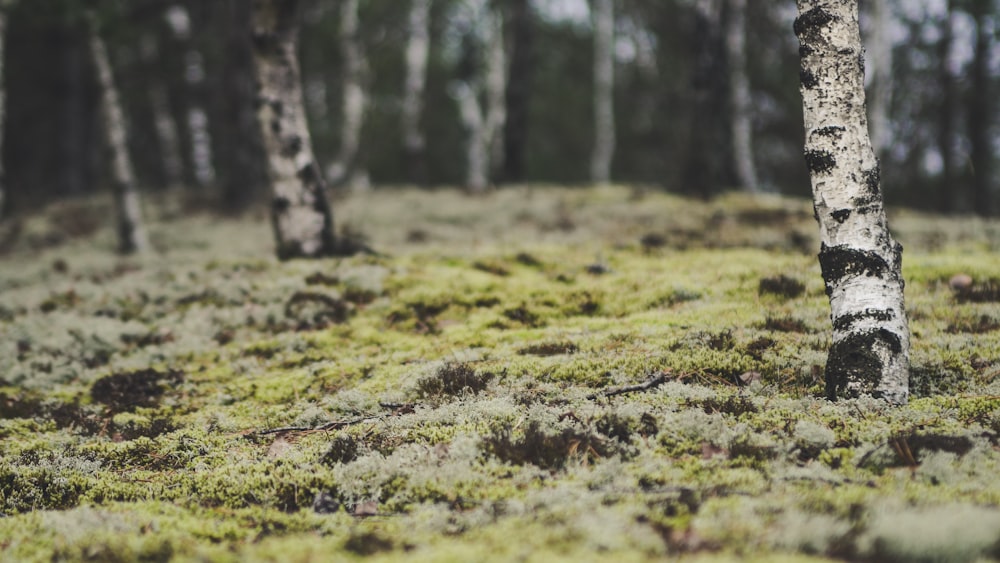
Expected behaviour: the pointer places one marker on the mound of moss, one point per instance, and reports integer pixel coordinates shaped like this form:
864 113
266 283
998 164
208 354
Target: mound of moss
591 373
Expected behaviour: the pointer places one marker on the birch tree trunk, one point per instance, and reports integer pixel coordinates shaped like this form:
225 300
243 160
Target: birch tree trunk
300 213
347 170
484 119
860 261
496 88
739 97
417 52
880 50
128 213
179 22
477 178
603 19
163 118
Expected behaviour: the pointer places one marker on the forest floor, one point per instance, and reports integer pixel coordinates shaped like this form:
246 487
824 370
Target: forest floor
536 375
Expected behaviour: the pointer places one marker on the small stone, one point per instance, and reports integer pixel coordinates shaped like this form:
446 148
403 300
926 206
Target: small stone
960 282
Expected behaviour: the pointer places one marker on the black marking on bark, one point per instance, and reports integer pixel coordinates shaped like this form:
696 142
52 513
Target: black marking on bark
810 21
808 79
815 212
277 107
819 162
307 173
845 322
832 131
867 208
839 262
861 61
276 126
845 51
280 204
854 360
873 178
841 215
805 51
292 146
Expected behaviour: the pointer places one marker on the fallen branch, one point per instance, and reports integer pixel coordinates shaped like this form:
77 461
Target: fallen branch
326 426
652 383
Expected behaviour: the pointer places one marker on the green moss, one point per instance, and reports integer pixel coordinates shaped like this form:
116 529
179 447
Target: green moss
473 388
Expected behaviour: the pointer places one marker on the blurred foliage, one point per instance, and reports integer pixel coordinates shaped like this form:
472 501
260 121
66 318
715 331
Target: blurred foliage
671 111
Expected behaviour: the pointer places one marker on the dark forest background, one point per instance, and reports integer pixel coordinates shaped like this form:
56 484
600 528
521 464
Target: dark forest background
670 103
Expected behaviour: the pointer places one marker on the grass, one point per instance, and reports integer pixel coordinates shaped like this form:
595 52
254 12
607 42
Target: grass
459 397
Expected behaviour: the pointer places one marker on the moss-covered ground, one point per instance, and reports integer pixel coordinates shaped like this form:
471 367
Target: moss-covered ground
535 375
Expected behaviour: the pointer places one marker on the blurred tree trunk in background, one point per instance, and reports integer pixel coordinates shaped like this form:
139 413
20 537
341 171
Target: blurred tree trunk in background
603 20
479 92
739 97
128 211
167 132
242 161
348 169
707 160
946 114
417 52
980 108
300 213
879 48
521 30
179 21
860 261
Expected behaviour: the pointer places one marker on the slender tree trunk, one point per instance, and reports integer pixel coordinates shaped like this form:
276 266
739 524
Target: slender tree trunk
946 114
300 212
880 48
477 178
739 97
484 120
163 118
179 21
131 233
521 28
981 113
347 170
603 18
860 261
417 52
496 89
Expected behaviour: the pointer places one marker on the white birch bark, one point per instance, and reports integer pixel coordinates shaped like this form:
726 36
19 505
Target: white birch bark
860 261
739 97
495 85
879 47
179 22
417 53
477 178
481 101
300 213
128 213
163 119
603 20
347 169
